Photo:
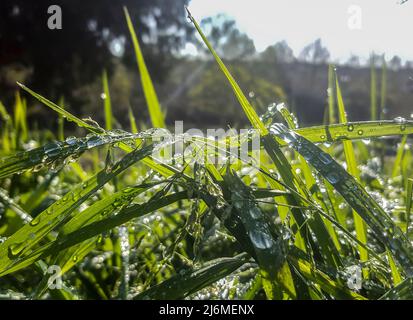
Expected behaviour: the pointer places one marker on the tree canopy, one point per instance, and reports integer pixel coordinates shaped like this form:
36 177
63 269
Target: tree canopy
92 33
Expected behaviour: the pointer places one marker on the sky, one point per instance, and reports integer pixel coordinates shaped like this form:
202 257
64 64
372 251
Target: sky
345 27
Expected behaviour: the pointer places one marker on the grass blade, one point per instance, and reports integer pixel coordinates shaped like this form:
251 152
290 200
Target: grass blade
154 107
361 230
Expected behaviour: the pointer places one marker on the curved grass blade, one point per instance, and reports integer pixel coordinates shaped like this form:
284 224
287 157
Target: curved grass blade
269 249
361 231
67 115
58 152
157 118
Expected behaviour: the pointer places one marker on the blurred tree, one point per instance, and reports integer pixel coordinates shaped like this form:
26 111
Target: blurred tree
279 52
395 63
92 34
226 38
315 53
353 61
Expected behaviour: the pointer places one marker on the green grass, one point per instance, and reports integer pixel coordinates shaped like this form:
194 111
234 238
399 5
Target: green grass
121 225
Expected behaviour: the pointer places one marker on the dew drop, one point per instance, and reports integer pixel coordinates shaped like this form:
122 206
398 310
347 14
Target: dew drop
15 249
71 140
260 239
333 177
399 120
35 221
325 158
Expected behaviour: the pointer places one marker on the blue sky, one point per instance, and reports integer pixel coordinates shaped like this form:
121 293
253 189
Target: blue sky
386 26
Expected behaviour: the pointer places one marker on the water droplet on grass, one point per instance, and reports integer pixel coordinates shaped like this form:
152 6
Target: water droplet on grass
260 239
333 177
16 249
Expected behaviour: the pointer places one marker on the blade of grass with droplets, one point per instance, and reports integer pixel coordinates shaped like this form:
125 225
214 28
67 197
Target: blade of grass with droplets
269 250
382 226
67 115
182 285
107 101
155 112
355 130
360 226
58 213
54 152
309 179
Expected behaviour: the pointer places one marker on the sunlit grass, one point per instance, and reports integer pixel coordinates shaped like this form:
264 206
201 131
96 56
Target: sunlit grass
321 204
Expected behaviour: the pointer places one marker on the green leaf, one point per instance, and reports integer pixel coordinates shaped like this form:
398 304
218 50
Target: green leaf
157 118
352 168
107 102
